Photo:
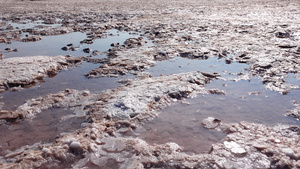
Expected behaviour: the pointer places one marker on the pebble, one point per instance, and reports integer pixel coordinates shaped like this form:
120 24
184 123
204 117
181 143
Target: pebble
75 145
86 50
235 148
65 48
211 122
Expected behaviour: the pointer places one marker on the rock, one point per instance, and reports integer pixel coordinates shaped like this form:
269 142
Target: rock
254 93
115 44
37 67
10 116
75 145
295 113
261 146
282 34
211 122
73 48
287 46
195 55
87 41
8 49
2 40
133 42
65 48
289 152
216 91
228 61
265 65
95 52
76 148
210 75
179 95
31 39
86 50
46 150
235 148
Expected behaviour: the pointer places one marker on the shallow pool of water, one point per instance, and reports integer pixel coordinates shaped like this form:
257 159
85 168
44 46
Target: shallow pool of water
210 65
44 128
179 123
74 77
244 100
52 45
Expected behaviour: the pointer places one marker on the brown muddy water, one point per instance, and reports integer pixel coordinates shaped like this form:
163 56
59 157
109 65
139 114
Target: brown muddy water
180 123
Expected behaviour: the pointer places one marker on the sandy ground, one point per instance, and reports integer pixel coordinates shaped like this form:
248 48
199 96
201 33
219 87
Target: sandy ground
264 34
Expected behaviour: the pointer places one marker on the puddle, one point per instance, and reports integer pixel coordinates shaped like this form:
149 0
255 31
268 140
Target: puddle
181 123
48 46
52 45
182 65
182 127
47 125
44 128
293 79
244 101
69 79
73 78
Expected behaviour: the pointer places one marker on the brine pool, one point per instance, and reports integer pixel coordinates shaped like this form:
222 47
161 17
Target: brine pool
244 100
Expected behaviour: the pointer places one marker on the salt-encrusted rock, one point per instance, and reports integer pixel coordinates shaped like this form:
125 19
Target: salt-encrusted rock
24 71
295 113
235 148
140 97
211 122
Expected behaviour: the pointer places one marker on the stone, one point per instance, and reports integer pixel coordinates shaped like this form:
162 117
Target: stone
37 67
211 122
86 50
32 39
65 48
235 148
287 46
282 34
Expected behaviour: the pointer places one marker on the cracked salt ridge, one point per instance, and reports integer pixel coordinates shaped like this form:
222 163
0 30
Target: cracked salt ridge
244 101
43 128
